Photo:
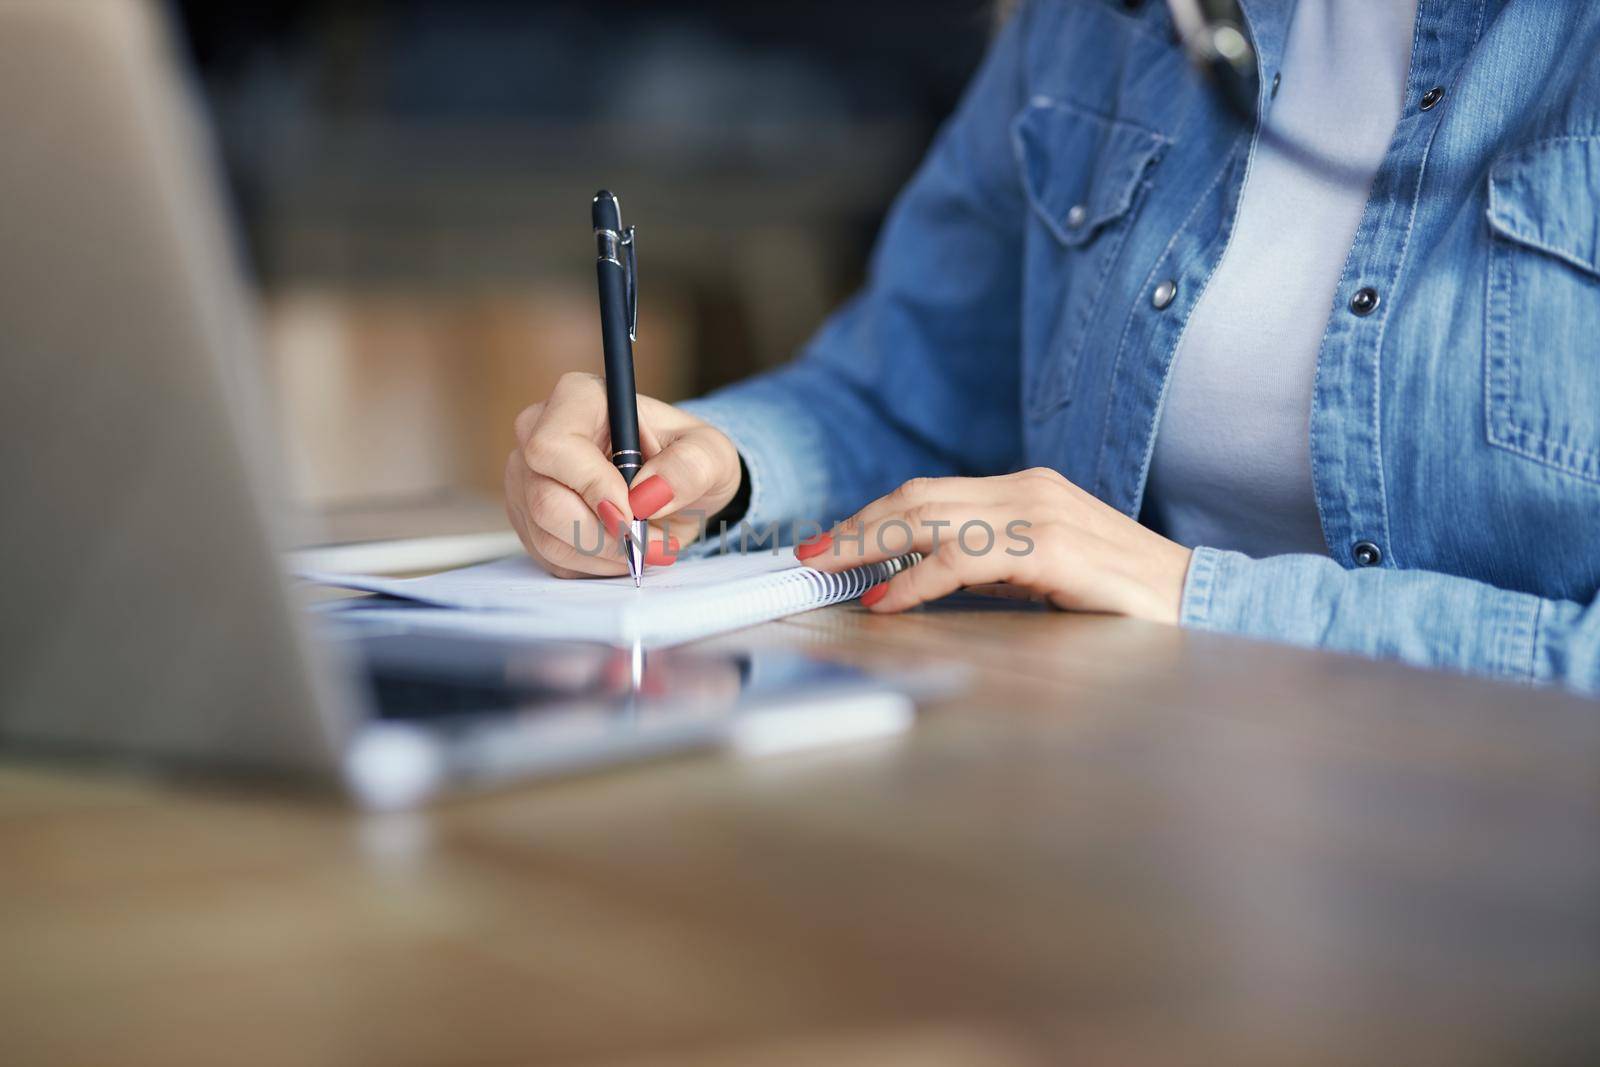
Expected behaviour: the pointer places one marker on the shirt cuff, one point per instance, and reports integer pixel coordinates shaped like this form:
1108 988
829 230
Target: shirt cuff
782 451
1196 610
1421 617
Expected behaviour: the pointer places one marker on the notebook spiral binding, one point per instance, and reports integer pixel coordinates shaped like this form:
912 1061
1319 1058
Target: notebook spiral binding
776 595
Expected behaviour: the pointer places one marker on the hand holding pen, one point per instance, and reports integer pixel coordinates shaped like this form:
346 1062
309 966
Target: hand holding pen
563 476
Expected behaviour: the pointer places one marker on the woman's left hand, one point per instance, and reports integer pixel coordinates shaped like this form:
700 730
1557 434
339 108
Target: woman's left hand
1033 529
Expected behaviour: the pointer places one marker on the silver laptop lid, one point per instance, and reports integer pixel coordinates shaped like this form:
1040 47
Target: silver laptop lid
142 610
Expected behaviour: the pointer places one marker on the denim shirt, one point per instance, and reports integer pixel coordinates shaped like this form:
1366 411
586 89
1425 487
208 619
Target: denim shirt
1009 321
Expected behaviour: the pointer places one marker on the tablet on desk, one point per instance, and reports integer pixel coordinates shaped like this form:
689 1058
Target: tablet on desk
470 711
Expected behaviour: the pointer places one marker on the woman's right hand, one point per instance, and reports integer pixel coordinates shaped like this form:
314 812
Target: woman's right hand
562 491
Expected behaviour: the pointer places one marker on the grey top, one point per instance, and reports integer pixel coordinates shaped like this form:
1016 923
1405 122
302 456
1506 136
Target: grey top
1232 466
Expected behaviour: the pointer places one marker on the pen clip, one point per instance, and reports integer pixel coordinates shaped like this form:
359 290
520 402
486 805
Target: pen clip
632 271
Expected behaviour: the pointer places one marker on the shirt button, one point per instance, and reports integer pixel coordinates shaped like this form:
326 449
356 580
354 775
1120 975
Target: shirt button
1366 554
1432 97
1076 215
1162 298
1277 79
1365 302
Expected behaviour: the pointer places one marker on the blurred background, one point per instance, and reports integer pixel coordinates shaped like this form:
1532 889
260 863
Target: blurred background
412 180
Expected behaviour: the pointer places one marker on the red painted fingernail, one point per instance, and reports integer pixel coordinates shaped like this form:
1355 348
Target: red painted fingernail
611 516
649 496
875 594
657 554
813 546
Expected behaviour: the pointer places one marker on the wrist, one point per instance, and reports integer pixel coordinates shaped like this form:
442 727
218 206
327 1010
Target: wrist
734 511
1161 598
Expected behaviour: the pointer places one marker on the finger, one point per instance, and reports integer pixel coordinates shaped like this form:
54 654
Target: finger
938 575
577 405
658 420
566 532
576 462
535 542
567 442
527 419
924 528
515 477
911 494
660 547
564 561
691 467
577 541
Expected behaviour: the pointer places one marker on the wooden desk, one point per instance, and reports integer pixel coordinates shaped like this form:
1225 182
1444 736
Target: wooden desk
1122 845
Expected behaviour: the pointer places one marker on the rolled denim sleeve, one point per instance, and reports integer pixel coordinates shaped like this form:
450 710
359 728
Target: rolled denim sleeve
778 443
1421 617
918 374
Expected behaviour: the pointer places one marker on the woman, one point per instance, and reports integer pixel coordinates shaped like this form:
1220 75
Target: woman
1347 371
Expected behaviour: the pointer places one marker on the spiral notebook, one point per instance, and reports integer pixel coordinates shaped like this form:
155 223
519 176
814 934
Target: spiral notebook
694 598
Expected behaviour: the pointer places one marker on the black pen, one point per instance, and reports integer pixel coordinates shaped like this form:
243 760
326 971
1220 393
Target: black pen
619 324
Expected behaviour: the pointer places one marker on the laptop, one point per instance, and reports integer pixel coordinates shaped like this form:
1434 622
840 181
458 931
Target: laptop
144 613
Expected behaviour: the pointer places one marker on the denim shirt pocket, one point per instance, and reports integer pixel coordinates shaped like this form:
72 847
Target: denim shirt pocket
1542 311
1083 174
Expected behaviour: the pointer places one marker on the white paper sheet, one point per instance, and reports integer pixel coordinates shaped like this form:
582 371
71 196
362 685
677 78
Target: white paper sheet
516 583
513 597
